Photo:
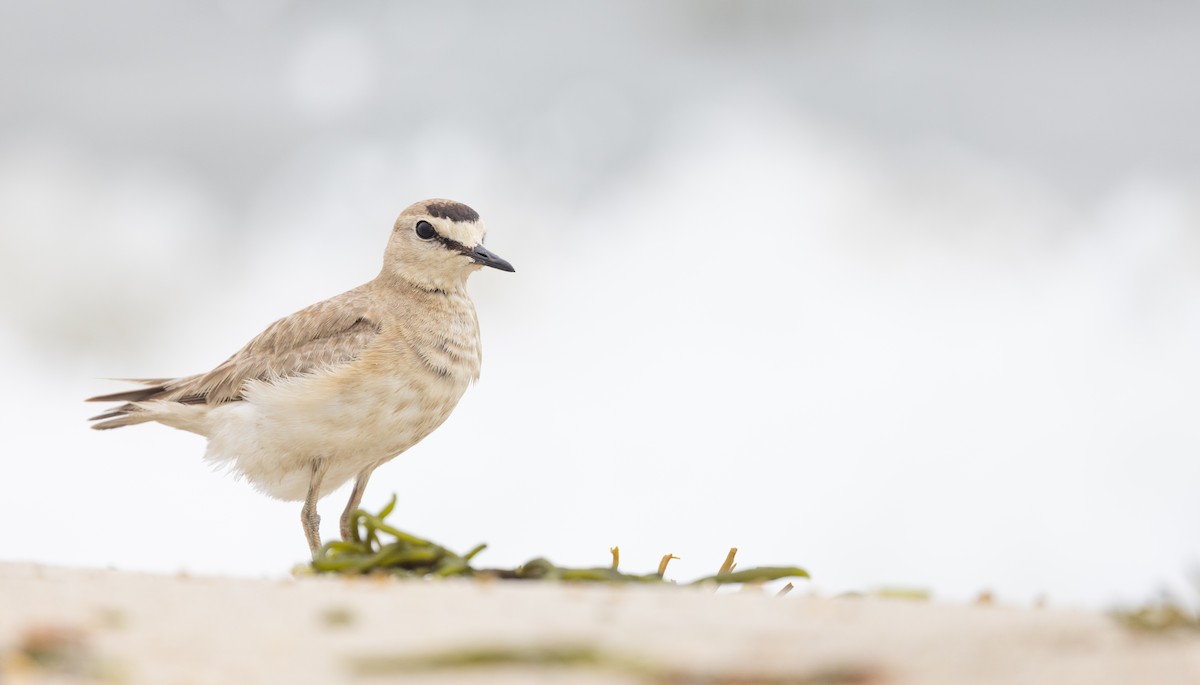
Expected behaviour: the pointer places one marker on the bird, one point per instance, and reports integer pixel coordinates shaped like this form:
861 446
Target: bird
338 388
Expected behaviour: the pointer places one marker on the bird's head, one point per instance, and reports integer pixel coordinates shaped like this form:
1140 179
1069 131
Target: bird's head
437 244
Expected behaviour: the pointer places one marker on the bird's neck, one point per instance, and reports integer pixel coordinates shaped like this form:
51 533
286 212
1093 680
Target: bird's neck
403 280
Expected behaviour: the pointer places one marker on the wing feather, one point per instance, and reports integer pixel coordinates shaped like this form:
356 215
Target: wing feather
325 334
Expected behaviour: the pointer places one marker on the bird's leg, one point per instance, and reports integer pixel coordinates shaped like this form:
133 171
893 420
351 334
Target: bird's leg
308 515
360 484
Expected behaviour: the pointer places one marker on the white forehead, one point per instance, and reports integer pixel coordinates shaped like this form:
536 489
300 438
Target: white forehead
469 233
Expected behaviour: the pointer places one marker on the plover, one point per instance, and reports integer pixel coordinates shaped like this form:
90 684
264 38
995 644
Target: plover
338 388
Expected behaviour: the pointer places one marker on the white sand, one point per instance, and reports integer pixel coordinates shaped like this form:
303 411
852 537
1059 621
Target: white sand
136 628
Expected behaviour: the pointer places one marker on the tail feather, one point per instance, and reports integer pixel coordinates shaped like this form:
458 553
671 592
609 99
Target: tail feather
128 408
155 386
116 419
160 400
128 395
129 413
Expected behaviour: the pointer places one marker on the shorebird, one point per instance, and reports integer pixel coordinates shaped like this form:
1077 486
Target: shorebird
338 388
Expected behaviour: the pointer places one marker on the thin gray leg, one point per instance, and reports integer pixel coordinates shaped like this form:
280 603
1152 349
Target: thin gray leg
308 515
360 484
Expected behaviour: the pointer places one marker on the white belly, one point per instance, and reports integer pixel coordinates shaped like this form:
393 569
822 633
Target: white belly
352 421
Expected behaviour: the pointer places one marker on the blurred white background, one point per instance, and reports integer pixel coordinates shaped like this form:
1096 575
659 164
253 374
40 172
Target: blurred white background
906 295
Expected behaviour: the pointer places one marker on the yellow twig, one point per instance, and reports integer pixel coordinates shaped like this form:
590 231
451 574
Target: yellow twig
728 565
662 565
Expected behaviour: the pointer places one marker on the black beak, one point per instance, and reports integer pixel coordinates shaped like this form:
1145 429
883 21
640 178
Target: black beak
486 257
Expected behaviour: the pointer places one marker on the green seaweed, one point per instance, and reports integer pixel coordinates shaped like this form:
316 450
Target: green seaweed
377 547
1163 616
585 658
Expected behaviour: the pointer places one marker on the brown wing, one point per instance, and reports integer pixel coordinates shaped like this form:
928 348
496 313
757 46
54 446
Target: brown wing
325 334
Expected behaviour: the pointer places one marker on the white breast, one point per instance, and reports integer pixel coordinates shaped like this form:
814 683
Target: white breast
348 416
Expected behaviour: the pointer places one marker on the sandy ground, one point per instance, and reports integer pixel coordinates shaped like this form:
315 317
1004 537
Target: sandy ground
63 625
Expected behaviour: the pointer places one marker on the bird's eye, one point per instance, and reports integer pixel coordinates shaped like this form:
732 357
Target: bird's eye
425 230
